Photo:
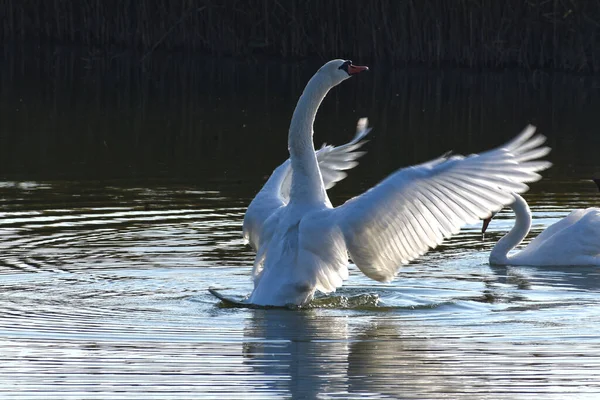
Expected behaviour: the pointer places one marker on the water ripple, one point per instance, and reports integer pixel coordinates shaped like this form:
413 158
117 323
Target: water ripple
109 298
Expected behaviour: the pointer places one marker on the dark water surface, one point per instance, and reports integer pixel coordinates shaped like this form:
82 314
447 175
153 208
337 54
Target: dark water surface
122 191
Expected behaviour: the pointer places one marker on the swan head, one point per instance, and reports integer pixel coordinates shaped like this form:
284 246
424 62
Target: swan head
487 221
597 182
339 70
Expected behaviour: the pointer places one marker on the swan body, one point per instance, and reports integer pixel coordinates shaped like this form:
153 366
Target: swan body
574 240
303 243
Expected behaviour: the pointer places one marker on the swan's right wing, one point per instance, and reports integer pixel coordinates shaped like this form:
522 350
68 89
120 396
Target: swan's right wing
415 208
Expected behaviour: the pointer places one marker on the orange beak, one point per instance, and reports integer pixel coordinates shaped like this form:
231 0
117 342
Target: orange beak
356 69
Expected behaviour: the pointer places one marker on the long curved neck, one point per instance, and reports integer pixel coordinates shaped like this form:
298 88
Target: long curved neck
499 254
307 183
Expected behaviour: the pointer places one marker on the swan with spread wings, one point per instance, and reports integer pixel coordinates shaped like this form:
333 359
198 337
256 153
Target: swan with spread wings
303 244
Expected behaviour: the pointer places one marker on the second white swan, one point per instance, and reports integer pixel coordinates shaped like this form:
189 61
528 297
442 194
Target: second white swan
572 241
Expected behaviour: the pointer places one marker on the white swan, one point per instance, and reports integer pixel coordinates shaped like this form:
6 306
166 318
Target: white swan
333 161
303 243
574 240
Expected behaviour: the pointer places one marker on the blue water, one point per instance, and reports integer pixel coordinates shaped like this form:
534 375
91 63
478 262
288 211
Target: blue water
113 301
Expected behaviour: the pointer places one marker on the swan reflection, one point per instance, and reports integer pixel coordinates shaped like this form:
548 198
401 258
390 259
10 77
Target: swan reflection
298 352
306 354
525 277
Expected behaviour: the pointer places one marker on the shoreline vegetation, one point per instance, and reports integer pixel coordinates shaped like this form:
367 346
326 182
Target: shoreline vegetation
535 34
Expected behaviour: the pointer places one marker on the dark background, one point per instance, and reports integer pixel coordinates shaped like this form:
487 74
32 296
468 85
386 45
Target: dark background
560 34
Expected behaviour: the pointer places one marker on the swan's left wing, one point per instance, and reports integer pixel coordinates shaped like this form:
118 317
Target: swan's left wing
415 208
266 202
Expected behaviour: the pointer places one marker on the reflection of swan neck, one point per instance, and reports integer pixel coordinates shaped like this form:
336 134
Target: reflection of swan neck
499 254
306 177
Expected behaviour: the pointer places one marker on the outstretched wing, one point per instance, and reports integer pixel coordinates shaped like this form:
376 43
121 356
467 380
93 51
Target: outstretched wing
415 208
333 162
264 204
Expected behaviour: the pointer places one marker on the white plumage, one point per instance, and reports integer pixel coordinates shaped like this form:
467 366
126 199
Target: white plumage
303 243
574 240
333 162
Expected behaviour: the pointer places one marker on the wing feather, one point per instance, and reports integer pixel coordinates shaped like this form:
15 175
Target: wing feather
415 208
264 204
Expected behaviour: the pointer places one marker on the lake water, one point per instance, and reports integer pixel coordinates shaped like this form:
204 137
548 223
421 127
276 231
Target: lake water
122 192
